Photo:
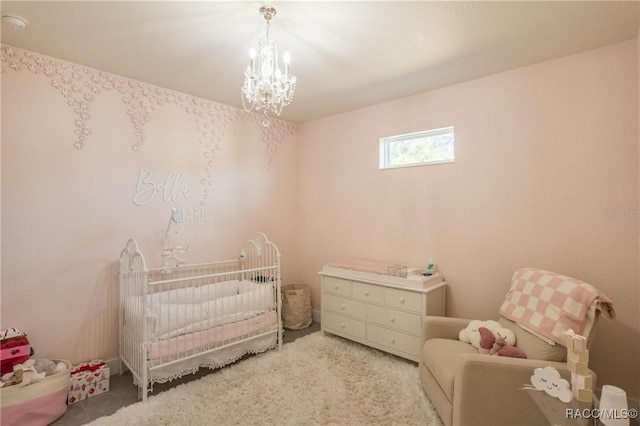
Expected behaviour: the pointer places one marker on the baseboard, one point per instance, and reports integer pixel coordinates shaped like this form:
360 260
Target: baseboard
114 366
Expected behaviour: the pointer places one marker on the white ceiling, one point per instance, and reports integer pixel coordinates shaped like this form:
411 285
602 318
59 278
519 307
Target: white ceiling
346 55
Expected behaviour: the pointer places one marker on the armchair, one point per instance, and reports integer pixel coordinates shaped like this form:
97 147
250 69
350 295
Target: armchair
470 388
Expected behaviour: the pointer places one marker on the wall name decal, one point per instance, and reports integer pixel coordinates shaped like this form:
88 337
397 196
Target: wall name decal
195 215
171 187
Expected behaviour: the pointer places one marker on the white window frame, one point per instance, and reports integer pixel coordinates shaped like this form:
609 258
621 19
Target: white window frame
386 142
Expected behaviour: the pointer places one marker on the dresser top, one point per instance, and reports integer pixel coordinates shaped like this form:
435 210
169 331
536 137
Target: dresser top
412 282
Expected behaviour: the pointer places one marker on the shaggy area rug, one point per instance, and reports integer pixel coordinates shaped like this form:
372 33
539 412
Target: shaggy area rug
316 380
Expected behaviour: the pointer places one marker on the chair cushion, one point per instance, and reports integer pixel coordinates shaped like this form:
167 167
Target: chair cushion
533 346
438 356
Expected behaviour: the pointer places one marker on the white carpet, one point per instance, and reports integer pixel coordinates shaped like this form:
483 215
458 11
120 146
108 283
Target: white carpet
316 380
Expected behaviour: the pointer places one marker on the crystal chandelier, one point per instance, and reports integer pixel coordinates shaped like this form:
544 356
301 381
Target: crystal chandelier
266 88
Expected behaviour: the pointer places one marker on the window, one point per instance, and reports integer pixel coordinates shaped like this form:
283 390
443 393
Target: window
417 149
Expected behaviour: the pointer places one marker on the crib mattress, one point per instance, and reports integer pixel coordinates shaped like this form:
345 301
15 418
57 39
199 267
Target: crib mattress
195 341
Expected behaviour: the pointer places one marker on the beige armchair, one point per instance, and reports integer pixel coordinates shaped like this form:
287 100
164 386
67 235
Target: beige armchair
470 388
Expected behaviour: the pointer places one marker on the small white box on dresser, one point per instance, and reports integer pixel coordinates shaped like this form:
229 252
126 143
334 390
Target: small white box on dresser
381 311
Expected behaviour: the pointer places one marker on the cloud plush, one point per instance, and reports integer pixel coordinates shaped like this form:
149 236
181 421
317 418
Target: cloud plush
548 379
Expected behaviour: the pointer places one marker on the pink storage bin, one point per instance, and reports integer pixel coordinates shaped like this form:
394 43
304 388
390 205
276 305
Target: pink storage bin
14 349
38 403
13 355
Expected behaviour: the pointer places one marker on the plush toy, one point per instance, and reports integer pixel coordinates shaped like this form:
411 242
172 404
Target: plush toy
44 366
496 345
487 339
470 334
31 371
548 379
28 372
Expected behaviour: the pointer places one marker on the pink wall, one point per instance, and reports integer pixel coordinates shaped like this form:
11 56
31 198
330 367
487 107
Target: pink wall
543 155
68 212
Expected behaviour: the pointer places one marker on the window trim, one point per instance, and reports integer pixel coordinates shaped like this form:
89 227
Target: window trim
385 142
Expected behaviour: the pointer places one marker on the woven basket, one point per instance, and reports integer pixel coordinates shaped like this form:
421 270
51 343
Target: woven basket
296 306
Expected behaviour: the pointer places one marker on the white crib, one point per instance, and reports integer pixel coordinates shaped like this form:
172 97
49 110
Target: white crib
174 321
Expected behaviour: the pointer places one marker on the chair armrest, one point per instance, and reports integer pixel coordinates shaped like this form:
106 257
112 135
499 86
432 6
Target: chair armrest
488 390
443 327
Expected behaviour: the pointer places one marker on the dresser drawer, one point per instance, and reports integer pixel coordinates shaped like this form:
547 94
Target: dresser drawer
336 286
342 324
367 292
394 339
403 321
402 299
344 306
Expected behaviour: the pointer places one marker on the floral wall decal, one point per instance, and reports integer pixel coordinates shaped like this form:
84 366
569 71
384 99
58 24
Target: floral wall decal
80 85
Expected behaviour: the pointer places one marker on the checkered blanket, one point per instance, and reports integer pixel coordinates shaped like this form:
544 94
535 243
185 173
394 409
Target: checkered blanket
549 304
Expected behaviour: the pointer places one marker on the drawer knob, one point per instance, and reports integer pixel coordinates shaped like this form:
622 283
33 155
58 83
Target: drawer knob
343 307
342 325
366 293
393 340
335 286
402 300
392 319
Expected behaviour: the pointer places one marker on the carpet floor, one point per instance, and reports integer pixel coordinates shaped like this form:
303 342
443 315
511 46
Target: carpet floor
316 380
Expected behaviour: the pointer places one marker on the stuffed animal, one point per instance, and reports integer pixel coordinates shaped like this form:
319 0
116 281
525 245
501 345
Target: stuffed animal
496 345
31 371
548 379
470 334
28 372
487 339
44 366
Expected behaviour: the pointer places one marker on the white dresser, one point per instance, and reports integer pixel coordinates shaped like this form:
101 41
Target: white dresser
381 311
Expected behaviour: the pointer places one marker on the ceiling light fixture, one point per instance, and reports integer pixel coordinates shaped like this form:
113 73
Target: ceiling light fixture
14 21
266 88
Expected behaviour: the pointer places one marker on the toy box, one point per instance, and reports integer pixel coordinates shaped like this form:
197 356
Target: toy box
37 404
88 379
14 349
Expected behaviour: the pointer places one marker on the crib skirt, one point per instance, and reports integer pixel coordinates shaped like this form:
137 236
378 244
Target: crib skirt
217 359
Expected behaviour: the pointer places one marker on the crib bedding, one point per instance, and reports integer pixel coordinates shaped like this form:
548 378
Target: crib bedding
198 293
176 312
227 332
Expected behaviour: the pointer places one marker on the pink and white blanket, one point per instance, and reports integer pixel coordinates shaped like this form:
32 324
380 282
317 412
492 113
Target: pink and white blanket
549 304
